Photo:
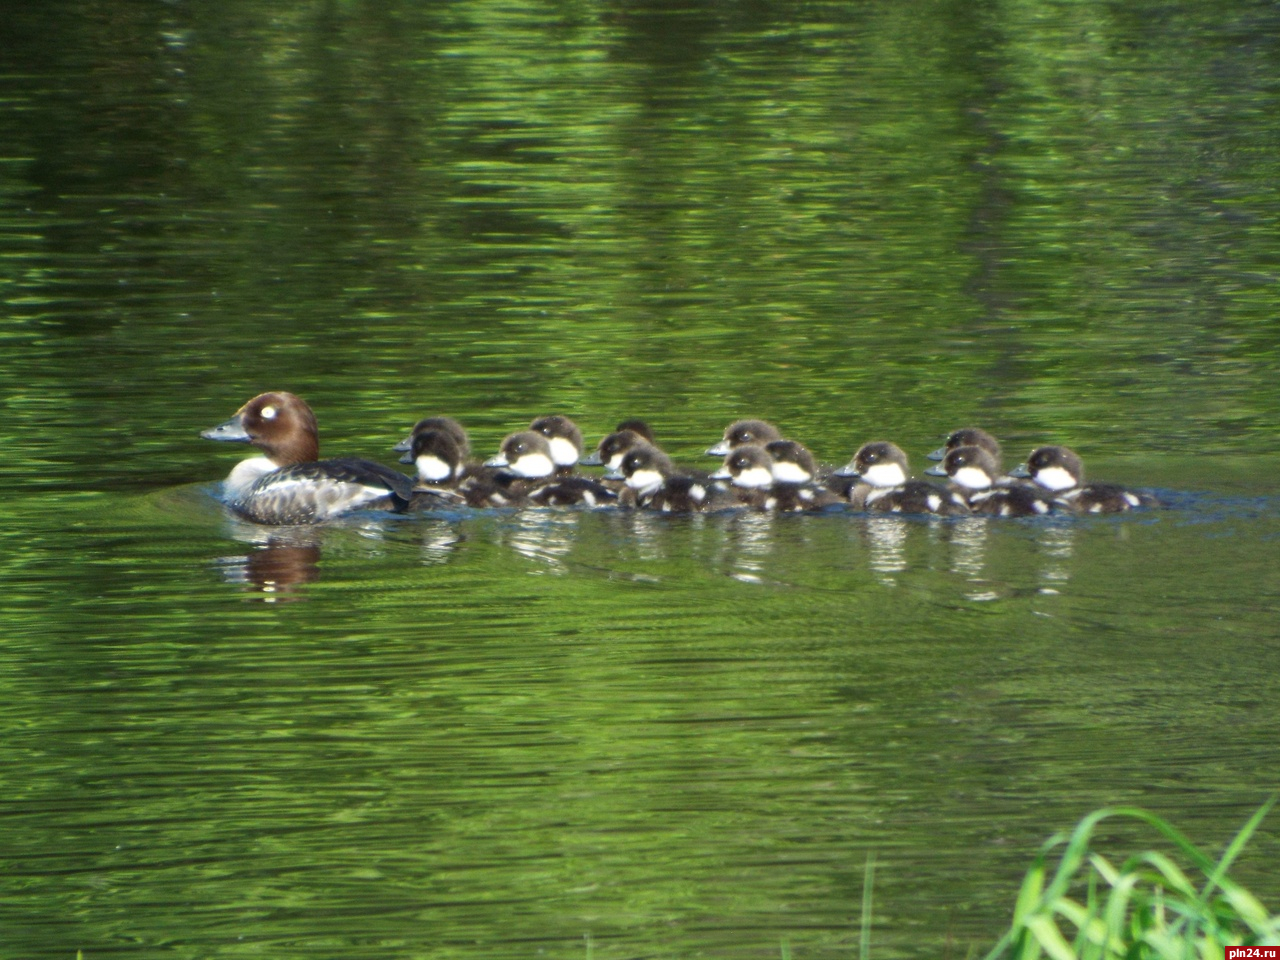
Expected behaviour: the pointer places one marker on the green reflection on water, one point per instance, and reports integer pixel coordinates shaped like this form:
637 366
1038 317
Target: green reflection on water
490 735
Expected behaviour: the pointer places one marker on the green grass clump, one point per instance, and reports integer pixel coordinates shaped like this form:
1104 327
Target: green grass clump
1145 909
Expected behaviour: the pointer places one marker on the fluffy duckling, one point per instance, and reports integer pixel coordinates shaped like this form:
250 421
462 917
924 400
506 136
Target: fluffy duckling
652 483
975 479
528 456
750 469
743 432
446 480
613 447
1060 471
969 437
446 424
564 438
885 485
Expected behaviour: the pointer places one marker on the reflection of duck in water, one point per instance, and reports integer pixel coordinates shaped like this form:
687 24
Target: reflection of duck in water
1060 471
289 484
277 564
281 567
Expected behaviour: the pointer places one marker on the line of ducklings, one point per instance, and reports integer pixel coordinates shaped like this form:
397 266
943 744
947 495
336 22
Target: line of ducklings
760 469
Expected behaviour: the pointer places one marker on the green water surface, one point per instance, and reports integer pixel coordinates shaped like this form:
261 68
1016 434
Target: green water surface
571 734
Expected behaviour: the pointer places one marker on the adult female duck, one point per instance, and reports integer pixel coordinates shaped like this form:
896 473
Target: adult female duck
289 483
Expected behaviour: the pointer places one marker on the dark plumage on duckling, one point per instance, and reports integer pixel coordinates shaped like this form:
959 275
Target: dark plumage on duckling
446 424
637 426
446 480
975 479
969 437
527 455
792 462
613 447
1060 471
289 483
750 469
885 485
564 438
743 432
652 483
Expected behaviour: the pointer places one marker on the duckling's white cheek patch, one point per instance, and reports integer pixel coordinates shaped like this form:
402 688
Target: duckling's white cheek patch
644 480
615 462
433 469
884 475
533 465
564 453
1132 500
1055 478
787 472
972 478
755 478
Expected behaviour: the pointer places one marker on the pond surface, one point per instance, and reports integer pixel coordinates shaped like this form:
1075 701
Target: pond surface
572 734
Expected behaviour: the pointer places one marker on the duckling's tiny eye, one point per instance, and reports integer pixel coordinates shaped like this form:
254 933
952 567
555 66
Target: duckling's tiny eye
268 413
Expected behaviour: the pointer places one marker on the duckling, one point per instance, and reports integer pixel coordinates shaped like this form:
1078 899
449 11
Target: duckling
444 480
613 447
750 469
447 424
884 484
969 437
742 432
565 439
652 483
975 480
1060 471
529 457
637 426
